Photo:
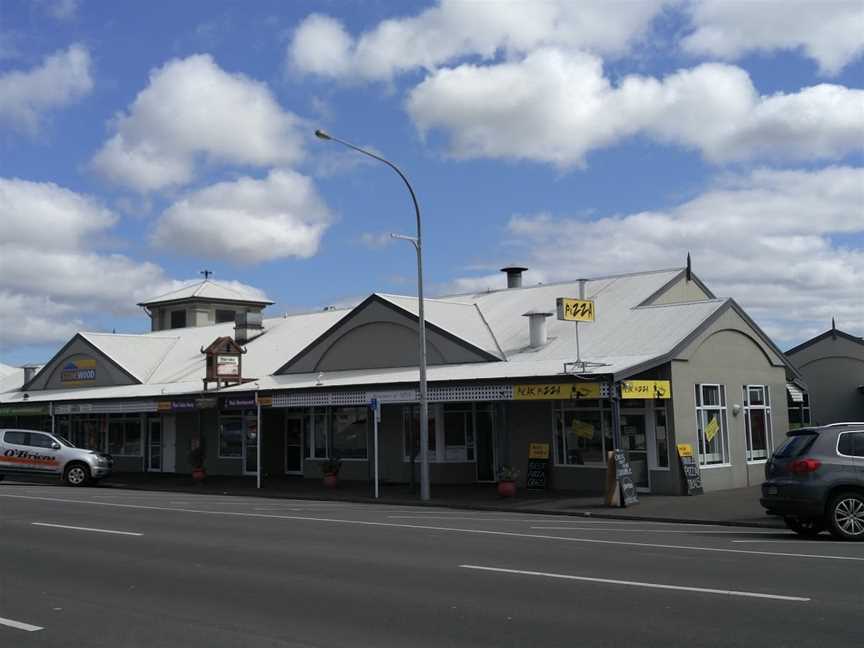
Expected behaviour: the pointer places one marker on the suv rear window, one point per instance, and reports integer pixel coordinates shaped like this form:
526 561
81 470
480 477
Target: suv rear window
795 445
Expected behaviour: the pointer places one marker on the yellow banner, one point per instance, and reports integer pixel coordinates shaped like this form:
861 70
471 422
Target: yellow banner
538 451
586 390
542 392
658 389
582 429
685 450
712 429
575 310
265 401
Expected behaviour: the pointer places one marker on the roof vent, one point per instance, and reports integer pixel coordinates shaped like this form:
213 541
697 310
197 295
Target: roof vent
514 276
30 372
537 328
247 326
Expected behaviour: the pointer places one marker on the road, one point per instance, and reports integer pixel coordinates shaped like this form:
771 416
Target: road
109 567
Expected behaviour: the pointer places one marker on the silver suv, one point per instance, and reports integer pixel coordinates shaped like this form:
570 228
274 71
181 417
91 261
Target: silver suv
815 480
30 452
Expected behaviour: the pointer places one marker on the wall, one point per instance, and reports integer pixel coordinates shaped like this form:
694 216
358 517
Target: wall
107 373
728 353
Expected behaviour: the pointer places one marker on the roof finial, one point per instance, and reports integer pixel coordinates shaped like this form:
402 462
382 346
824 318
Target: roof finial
689 268
206 274
833 329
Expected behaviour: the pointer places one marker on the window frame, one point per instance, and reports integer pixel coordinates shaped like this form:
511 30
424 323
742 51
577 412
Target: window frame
701 421
854 446
765 407
437 453
558 407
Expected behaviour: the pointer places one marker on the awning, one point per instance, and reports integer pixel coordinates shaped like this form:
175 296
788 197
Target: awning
795 393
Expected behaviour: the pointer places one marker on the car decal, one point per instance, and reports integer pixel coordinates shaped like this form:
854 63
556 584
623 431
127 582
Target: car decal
27 458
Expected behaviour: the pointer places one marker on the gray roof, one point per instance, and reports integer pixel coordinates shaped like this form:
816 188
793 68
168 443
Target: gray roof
207 290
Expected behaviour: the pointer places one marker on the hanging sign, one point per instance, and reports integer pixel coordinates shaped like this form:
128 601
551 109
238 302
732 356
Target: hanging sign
582 429
657 389
575 310
712 429
692 478
227 365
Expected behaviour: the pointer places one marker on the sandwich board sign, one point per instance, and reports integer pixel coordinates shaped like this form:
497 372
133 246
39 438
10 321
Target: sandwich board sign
692 478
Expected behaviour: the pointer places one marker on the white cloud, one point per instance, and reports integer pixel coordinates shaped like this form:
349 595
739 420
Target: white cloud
555 106
61 79
61 9
454 29
191 112
247 220
766 239
830 33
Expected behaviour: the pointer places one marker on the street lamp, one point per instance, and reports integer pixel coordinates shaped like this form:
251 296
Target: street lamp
418 247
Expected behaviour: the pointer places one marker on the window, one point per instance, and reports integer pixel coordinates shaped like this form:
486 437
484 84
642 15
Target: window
851 444
223 316
757 422
230 437
178 319
89 433
459 432
350 430
712 432
124 435
452 435
316 434
582 436
40 440
661 435
17 438
799 411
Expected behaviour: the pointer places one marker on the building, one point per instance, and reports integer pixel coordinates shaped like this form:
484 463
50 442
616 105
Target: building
832 365
504 373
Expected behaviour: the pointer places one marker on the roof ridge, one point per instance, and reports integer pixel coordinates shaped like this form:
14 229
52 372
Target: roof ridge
442 300
716 300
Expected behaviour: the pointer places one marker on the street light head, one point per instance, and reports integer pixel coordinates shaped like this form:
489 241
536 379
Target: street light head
320 134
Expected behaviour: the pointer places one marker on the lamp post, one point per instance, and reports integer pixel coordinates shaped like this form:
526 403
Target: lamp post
418 247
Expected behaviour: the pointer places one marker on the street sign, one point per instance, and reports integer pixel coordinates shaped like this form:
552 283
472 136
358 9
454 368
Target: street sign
656 389
575 310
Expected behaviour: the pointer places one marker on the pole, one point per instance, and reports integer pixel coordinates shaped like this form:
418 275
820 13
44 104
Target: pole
421 319
616 415
376 416
258 441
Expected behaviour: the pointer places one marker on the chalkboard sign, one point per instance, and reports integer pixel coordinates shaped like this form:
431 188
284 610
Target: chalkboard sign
624 474
691 469
538 466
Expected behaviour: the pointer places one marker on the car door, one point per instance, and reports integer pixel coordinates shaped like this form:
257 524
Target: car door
16 452
45 452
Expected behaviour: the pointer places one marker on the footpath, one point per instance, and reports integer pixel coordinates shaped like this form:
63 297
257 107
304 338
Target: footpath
736 507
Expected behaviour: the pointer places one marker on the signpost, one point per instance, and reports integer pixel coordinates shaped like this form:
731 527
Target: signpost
375 406
538 466
691 469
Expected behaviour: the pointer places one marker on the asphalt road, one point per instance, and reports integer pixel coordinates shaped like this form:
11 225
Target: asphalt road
168 569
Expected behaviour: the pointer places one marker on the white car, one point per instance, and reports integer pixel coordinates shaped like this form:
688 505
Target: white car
31 452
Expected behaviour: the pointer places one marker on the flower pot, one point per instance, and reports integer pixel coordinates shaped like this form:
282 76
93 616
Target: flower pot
198 474
330 480
507 488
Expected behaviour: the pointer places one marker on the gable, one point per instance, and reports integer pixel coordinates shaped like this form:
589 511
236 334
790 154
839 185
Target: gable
378 334
79 365
839 344
680 290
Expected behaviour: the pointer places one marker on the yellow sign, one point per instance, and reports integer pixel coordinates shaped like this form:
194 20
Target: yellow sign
712 429
575 310
582 429
538 451
542 392
658 389
685 450
265 401
586 390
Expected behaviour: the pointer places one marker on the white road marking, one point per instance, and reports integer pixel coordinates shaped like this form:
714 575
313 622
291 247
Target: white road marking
612 581
18 625
77 528
620 530
394 525
792 539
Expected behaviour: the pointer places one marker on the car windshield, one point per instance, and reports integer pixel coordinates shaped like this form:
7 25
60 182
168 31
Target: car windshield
795 445
66 442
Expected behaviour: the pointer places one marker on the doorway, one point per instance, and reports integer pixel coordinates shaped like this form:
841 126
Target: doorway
634 440
250 445
154 445
161 444
294 434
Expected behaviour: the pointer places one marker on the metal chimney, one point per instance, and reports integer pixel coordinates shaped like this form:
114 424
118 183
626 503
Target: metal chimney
514 276
537 328
30 371
247 325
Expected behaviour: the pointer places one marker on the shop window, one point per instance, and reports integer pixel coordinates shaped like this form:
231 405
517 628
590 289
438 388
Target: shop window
582 436
411 433
89 433
178 319
223 316
230 437
712 430
316 434
452 432
350 430
458 433
124 435
757 422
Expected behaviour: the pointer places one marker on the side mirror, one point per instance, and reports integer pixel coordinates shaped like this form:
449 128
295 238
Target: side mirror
55 446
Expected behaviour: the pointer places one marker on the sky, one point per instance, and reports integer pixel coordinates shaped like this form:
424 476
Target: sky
143 143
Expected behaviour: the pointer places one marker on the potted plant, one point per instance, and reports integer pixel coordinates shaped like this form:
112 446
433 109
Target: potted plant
196 460
330 470
507 476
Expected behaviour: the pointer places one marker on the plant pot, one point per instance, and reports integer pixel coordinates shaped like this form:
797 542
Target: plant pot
198 474
507 488
330 480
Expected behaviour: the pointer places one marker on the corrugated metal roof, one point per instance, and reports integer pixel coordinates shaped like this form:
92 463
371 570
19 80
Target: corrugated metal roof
205 290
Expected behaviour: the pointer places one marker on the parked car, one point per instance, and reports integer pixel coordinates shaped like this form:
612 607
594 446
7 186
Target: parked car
815 480
30 452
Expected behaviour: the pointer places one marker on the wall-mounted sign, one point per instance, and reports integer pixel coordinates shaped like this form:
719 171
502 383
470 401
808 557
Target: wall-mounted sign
575 310
586 391
25 410
78 372
239 402
542 392
265 401
227 366
657 389
175 405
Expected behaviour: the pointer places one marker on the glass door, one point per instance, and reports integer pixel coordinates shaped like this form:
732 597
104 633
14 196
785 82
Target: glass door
294 444
154 445
250 445
634 440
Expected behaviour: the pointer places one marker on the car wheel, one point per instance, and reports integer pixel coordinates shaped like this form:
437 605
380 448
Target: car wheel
809 528
846 516
77 475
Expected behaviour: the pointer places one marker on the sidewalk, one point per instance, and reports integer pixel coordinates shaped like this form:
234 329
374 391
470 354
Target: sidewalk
738 507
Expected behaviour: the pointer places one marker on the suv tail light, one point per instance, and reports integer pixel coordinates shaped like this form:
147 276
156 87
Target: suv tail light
805 466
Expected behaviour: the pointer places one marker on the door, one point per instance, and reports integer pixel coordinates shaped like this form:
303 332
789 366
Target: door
294 433
40 454
250 446
154 445
634 440
484 428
